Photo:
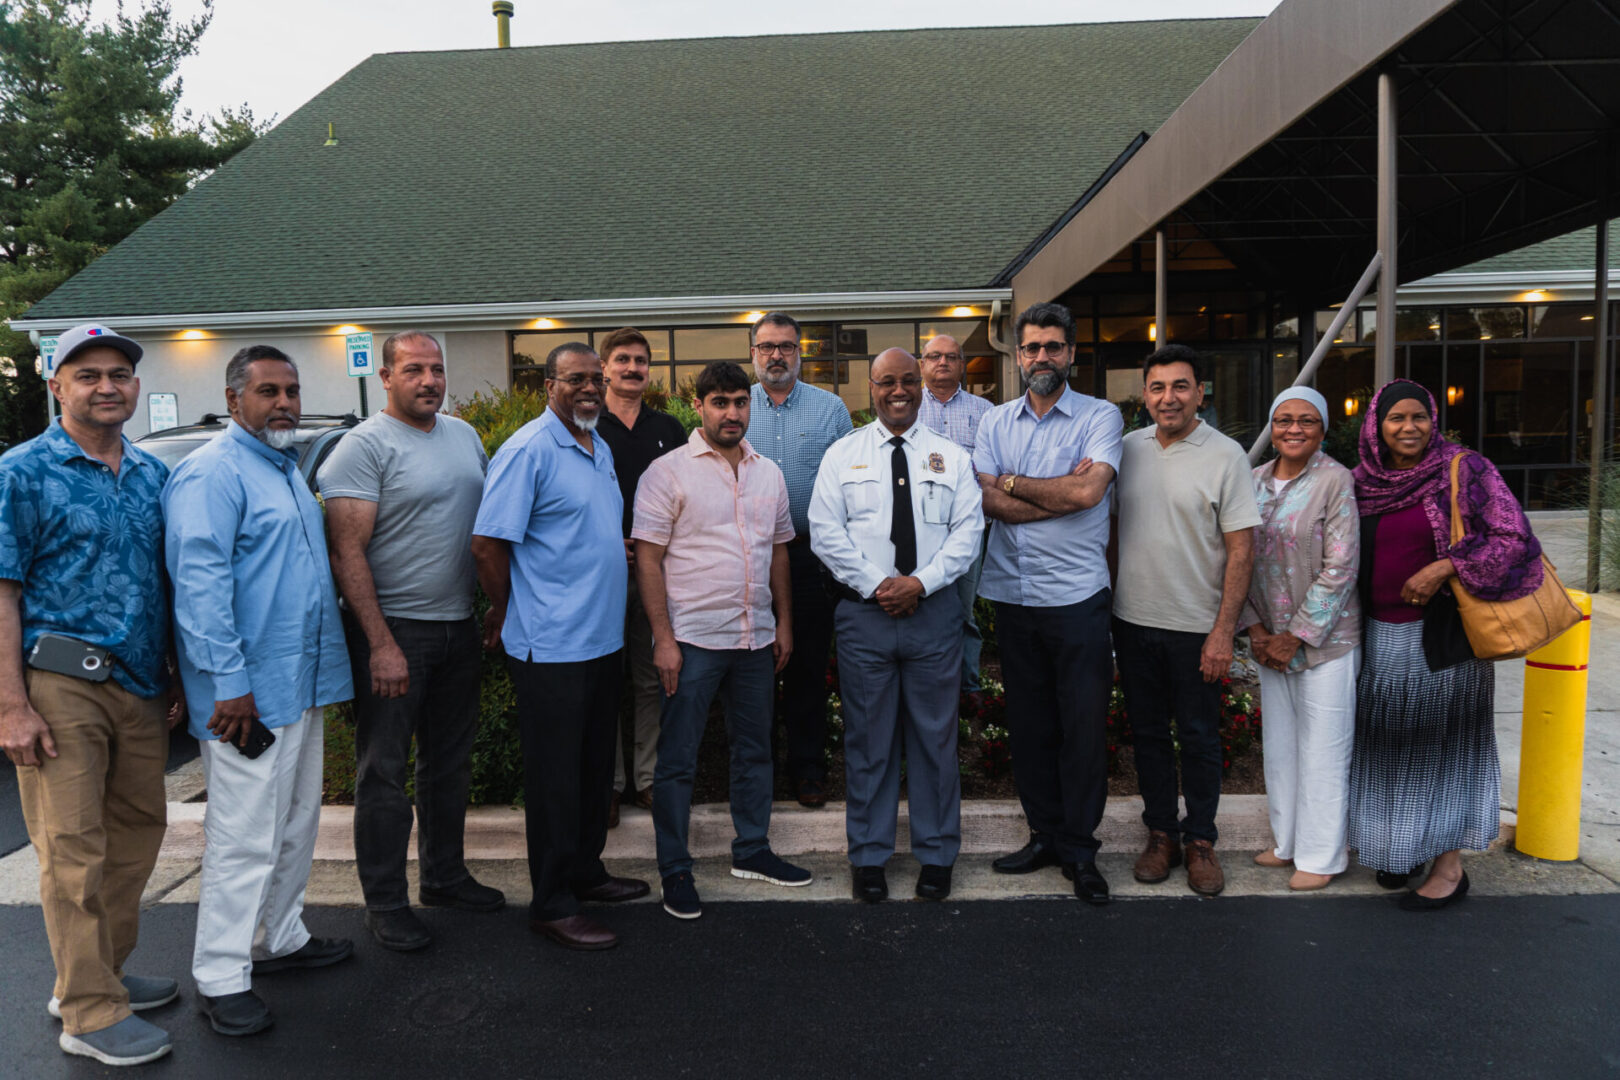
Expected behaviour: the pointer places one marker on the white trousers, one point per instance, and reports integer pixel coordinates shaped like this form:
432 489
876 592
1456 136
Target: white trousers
259 835
1309 720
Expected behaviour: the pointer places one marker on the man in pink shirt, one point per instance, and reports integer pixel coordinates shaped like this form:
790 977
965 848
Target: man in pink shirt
711 532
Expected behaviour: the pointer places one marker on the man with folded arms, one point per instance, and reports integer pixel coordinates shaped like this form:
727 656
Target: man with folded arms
261 654
81 566
401 492
896 517
711 532
550 556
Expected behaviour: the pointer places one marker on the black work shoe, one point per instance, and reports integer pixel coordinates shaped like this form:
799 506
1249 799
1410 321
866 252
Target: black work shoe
317 952
934 883
398 929
236 1014
467 895
1031 857
869 883
1089 884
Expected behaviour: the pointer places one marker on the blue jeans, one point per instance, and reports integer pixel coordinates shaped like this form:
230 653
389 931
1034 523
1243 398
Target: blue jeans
746 682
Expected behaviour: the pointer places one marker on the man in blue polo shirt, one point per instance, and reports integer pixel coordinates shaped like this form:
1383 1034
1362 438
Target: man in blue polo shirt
81 560
793 424
550 557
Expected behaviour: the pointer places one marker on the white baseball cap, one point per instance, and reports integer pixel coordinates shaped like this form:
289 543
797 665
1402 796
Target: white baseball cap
89 335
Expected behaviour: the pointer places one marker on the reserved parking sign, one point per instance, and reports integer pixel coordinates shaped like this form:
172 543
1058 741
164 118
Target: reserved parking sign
361 359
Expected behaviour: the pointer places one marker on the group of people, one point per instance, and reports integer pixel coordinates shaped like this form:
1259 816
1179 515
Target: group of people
613 548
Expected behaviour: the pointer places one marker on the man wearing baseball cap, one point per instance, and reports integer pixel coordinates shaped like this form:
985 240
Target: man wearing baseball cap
84 671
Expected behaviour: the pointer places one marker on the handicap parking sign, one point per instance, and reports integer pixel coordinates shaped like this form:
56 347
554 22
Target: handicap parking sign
361 359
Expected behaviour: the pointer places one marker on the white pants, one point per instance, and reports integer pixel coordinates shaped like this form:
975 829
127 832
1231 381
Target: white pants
259 834
1309 722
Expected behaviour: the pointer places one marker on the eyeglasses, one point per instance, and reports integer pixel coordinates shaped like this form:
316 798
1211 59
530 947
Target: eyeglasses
577 381
786 348
1304 423
908 382
1033 349
951 357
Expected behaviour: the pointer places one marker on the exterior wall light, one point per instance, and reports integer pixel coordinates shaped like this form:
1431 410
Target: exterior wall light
1351 406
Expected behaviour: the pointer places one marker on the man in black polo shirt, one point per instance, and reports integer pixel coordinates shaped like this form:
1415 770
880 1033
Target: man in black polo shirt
636 434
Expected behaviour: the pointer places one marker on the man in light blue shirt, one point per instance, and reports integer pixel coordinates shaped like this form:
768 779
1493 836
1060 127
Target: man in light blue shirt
1045 463
550 555
949 409
260 647
793 424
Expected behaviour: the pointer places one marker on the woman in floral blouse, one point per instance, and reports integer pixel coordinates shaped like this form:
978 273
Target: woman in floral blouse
1304 621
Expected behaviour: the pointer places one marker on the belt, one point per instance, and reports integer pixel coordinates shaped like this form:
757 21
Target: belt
844 592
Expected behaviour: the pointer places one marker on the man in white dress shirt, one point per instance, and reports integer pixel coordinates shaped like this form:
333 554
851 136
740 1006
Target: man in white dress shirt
896 517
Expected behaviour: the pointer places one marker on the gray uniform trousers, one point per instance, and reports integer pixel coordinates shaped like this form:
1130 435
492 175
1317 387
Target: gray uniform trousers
900 680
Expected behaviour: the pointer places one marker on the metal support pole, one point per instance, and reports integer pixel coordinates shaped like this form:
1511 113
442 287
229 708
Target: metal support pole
1384 345
1161 288
1553 741
1600 412
1308 372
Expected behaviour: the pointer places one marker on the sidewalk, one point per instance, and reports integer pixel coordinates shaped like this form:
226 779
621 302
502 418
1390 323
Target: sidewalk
495 844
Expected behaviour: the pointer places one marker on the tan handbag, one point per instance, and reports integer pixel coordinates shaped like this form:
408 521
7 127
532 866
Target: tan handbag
1509 629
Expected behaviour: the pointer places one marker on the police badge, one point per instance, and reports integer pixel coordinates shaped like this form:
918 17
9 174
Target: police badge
936 462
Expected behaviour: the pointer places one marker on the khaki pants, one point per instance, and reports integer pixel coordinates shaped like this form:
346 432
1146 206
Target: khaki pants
96 815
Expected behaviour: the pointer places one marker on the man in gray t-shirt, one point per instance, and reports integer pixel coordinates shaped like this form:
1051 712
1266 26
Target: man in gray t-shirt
402 491
1186 545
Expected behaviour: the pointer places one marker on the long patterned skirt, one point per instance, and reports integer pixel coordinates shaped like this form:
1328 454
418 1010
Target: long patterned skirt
1424 775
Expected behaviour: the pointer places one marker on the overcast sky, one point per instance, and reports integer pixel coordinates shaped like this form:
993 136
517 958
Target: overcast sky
274 55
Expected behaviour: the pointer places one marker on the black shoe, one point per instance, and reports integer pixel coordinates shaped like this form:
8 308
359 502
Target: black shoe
934 883
398 929
317 952
868 883
1027 859
1089 884
468 895
1390 880
1418 902
236 1014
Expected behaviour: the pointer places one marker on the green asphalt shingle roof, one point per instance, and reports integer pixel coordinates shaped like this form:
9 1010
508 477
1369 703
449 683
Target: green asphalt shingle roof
1572 251
807 163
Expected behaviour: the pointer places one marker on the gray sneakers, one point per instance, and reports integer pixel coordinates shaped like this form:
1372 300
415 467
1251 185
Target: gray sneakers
131 1041
145 992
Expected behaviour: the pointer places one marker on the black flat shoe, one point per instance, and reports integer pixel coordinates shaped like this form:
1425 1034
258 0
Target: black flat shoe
1390 880
934 883
1089 884
1032 856
868 883
1418 902
242 1013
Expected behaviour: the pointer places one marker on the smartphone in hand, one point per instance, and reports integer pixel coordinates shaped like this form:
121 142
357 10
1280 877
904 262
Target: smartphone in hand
259 740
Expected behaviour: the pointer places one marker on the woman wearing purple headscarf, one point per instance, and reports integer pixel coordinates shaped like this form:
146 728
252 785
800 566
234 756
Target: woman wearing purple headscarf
1425 782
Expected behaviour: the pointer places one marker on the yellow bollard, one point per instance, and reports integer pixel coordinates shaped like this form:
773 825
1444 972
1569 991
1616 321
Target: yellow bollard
1554 739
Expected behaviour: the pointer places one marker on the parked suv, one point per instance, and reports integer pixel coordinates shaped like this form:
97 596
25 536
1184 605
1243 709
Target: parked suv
316 436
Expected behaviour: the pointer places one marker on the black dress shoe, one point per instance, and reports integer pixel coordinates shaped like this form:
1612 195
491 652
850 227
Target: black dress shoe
1027 859
934 883
398 929
317 952
466 895
615 890
1414 901
576 932
1089 884
869 883
1389 880
241 1013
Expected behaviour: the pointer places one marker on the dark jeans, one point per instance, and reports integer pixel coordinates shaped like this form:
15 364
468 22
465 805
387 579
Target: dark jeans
1056 665
567 715
1158 670
745 680
440 708
804 679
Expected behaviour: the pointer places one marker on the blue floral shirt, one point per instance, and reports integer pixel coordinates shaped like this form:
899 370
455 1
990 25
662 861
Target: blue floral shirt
86 545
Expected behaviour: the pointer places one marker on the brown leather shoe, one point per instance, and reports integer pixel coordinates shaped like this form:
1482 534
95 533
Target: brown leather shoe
644 798
613 810
1204 869
614 890
1162 854
576 932
811 793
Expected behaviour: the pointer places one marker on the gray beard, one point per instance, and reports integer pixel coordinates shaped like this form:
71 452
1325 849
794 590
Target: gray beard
586 423
1045 383
275 438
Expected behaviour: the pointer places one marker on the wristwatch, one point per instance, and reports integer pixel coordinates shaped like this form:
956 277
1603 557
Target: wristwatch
1007 484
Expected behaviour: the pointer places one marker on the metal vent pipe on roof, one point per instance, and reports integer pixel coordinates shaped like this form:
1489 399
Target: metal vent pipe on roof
503 23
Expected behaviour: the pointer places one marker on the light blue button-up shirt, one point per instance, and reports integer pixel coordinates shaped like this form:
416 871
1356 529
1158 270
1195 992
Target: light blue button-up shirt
795 435
561 510
957 417
254 606
1061 560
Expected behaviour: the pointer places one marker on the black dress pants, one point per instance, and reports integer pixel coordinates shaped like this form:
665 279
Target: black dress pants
1057 669
567 715
804 679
